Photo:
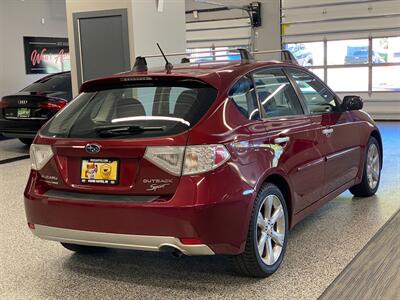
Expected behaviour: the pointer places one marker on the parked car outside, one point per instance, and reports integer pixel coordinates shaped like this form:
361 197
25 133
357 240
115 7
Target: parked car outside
206 158
303 55
359 55
23 113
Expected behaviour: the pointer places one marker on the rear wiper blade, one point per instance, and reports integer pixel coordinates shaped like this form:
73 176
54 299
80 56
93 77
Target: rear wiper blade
125 129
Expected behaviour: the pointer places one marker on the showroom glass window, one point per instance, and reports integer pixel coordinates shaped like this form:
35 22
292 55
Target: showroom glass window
347 52
214 53
386 64
357 65
346 60
310 55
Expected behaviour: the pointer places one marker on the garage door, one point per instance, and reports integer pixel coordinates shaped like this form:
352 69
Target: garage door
353 45
222 35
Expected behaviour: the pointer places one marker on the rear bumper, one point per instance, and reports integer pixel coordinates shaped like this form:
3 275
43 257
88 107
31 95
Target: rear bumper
217 221
121 241
20 128
19 134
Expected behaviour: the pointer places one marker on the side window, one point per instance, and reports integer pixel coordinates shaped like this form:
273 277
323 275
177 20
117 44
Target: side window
276 94
243 95
318 98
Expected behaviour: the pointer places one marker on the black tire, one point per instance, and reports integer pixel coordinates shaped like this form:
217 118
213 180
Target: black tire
27 142
249 263
82 249
363 189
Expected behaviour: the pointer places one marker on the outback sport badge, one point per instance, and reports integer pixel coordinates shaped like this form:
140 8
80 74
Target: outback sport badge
92 148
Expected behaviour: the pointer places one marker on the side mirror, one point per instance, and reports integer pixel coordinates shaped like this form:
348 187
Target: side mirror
352 103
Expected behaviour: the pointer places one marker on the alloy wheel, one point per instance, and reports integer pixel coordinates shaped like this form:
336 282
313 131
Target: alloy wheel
270 229
373 166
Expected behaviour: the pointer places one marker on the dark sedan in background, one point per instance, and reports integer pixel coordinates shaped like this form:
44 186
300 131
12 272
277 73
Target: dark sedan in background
23 113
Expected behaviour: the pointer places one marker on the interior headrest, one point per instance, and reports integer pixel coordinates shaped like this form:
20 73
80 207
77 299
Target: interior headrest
130 107
184 103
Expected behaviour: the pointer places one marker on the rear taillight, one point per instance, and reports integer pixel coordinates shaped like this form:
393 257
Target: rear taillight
40 155
53 105
3 103
188 161
168 158
204 158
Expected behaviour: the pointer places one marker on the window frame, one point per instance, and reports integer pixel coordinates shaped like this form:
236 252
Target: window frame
300 94
261 108
250 78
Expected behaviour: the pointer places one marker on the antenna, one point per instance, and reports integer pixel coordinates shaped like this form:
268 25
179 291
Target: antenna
168 65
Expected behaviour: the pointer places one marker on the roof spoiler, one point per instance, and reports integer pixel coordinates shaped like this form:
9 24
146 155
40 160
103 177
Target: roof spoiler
245 57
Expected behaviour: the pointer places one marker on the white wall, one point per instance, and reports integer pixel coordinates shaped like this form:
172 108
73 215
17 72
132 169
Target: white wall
166 28
269 34
23 18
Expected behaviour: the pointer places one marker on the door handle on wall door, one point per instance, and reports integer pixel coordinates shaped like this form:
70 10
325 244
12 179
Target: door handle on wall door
282 140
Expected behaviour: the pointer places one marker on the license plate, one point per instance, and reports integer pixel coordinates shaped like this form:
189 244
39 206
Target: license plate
99 170
23 112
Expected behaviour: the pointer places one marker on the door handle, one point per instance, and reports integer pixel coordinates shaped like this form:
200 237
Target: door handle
327 131
282 140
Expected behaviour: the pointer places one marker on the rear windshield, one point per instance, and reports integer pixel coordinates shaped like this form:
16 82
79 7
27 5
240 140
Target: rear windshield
138 110
56 83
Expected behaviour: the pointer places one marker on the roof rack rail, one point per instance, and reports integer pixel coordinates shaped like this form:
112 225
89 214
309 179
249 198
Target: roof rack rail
286 55
245 56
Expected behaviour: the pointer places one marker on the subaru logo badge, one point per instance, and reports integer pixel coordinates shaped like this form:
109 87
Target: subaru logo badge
92 148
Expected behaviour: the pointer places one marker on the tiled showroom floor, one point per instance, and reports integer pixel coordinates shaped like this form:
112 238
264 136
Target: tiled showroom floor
319 248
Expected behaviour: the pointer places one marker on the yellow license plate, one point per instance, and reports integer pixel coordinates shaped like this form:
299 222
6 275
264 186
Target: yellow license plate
99 170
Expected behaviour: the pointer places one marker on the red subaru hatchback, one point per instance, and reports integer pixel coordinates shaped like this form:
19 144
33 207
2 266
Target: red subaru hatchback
207 158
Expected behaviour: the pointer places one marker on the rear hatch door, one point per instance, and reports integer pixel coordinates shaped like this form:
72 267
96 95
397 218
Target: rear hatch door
118 168
102 137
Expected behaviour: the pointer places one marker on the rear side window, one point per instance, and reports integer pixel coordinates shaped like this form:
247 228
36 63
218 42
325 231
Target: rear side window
140 110
276 94
54 83
243 95
317 96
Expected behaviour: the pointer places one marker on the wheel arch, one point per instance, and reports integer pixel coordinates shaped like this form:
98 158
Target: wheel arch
284 186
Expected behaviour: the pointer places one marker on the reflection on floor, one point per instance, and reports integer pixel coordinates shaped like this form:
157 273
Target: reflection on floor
11 148
319 248
375 272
